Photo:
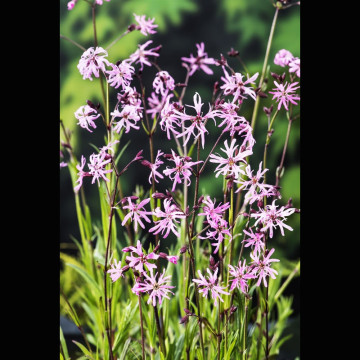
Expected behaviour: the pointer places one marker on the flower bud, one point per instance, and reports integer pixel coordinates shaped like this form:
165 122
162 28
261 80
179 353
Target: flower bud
233 309
233 53
156 248
183 249
125 268
184 320
162 255
131 27
158 195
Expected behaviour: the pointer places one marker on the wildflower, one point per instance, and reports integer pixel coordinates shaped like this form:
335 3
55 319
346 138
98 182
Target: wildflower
156 288
240 276
228 165
120 75
163 82
63 164
100 2
169 118
261 268
197 121
129 116
140 55
201 61
228 112
168 223
86 116
138 262
136 213
173 259
181 171
97 167
146 27
116 270
294 66
210 285
235 85
213 213
255 241
270 218
219 229
283 94
81 174
283 57
71 4
108 148
91 61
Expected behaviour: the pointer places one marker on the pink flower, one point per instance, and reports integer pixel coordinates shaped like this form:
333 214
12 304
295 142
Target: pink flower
218 232
163 82
156 288
201 61
120 75
81 174
261 268
138 262
294 66
283 57
228 112
129 116
240 275
91 61
156 104
97 167
71 4
254 180
283 94
63 164
136 213
140 55
255 241
228 165
108 148
173 259
116 271
235 85
271 218
210 285
146 27
213 213
168 223
197 121
169 118
86 116
181 171
153 167
100 2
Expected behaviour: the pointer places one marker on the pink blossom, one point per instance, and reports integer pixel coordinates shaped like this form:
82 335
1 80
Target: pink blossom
235 85
116 271
228 112
108 148
154 173
245 130
294 66
97 167
283 57
71 4
197 121
100 2
169 118
81 174
163 82
138 262
86 116
240 276
210 285
261 268
136 213
63 164
129 96
146 27
167 224
271 218
140 55
91 61
213 213
283 94
201 61
228 165
181 171
217 232
255 241
156 288
120 75
129 116
173 259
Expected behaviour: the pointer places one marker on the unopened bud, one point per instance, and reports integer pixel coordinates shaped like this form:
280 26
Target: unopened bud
188 312
216 87
131 27
275 76
183 249
233 309
162 255
212 261
158 195
233 52
138 155
156 248
280 172
184 320
201 198
125 268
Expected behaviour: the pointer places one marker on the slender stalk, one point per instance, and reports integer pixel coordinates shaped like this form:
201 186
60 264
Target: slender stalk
73 42
257 101
142 329
267 322
287 281
161 340
218 335
211 151
245 329
116 40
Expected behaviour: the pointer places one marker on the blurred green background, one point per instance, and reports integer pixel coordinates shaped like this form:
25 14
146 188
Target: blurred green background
241 24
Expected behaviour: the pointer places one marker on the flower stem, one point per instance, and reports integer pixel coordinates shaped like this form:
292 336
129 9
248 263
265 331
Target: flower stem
73 42
161 340
142 330
257 101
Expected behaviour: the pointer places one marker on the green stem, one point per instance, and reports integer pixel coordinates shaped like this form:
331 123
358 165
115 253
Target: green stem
73 42
257 101
161 340
287 281
142 330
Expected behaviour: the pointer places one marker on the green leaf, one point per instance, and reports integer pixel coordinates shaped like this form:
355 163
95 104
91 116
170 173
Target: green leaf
122 151
63 344
86 352
125 349
179 347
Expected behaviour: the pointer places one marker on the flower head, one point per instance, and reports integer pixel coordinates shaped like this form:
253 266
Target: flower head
240 276
294 66
163 82
97 167
283 94
71 4
92 61
136 213
255 240
81 173
116 271
120 75
146 27
86 116
210 285
262 267
201 61
283 57
140 55
218 230
157 288
129 117
213 213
